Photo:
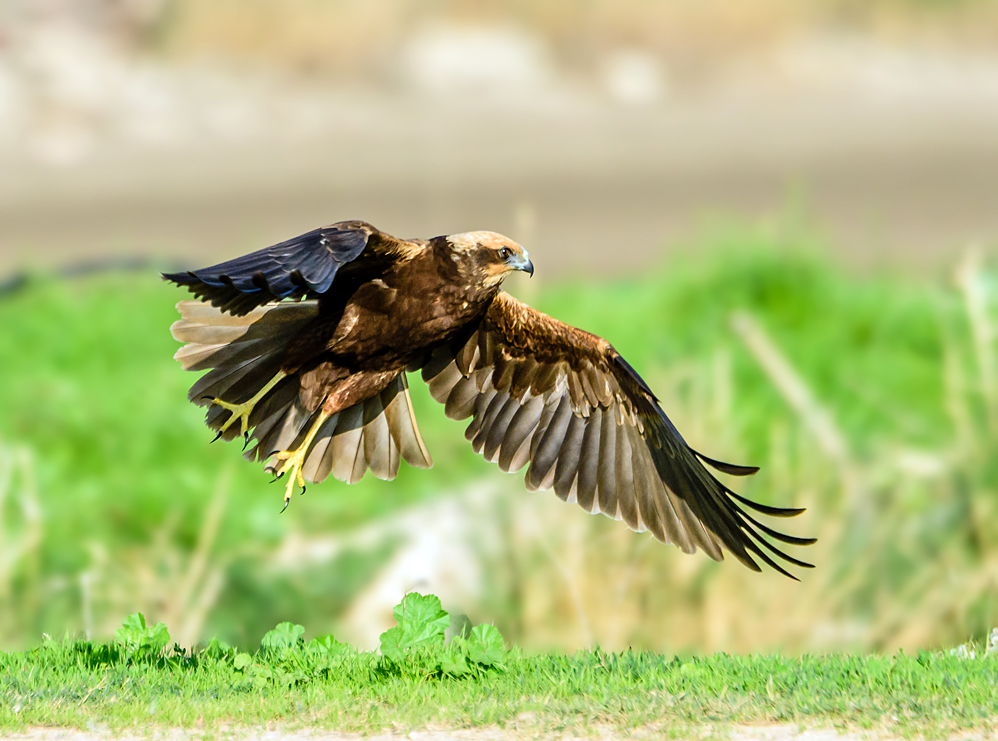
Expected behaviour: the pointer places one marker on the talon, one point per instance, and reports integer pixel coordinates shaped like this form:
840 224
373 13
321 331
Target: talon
246 437
217 436
302 492
286 503
208 396
292 461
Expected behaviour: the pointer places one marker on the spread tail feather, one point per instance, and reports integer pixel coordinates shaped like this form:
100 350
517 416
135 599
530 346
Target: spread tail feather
374 434
243 353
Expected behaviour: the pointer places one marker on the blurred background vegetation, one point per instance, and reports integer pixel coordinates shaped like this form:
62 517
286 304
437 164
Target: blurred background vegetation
780 212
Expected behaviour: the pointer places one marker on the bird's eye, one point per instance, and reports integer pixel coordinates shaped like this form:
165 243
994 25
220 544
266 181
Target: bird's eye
504 253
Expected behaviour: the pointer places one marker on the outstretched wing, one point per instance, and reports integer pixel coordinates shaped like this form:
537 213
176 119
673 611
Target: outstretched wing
565 402
303 267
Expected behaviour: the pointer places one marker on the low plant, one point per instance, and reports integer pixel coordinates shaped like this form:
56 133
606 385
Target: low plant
417 643
422 678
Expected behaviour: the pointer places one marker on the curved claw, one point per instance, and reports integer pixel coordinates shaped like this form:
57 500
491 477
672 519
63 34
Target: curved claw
208 396
217 436
302 490
246 437
286 503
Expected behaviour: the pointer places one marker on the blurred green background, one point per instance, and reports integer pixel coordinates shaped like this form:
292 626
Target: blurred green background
781 214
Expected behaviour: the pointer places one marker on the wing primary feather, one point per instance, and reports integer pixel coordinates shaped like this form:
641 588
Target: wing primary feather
728 468
770 547
783 537
765 508
764 557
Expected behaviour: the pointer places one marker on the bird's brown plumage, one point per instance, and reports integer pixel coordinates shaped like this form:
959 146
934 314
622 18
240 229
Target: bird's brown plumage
540 393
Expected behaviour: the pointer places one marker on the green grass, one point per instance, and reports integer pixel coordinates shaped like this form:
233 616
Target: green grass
108 483
418 680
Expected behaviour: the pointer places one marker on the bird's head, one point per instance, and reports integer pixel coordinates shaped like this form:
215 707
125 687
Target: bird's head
488 256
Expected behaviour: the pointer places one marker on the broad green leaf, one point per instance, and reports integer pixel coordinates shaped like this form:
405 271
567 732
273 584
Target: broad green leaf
157 637
324 645
485 645
242 661
421 624
390 643
132 630
418 609
217 648
422 619
135 635
285 635
454 662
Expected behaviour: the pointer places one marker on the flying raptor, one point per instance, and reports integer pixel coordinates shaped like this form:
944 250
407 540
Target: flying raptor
308 343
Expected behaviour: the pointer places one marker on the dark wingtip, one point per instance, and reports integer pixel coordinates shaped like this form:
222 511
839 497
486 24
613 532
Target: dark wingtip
765 508
183 278
729 468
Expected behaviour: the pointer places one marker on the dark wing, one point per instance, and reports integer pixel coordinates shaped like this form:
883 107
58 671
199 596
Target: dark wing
302 267
564 401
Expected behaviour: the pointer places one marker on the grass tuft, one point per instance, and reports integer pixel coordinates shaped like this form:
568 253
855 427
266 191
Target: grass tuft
325 684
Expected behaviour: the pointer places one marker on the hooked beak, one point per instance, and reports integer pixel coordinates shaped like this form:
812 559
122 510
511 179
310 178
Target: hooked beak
522 262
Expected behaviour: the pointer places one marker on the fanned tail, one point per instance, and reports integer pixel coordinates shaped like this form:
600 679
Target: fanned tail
375 434
242 354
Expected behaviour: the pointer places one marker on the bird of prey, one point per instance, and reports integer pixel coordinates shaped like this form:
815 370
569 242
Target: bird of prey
308 343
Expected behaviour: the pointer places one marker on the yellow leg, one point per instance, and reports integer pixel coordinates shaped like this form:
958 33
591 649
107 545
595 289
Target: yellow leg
243 411
293 460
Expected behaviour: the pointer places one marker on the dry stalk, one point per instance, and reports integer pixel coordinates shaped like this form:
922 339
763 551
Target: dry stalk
969 280
20 535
